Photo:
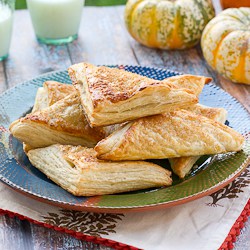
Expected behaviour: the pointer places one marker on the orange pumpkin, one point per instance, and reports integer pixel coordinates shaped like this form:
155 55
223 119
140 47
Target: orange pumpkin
168 24
225 44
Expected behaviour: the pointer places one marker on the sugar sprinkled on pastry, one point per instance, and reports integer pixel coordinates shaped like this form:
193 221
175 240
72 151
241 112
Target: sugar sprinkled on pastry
182 165
63 122
111 95
174 134
50 93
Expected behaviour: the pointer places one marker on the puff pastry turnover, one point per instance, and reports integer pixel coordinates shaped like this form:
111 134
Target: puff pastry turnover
50 93
111 95
77 170
63 122
174 134
182 165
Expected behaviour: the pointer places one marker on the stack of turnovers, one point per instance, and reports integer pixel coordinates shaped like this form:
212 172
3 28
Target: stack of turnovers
92 137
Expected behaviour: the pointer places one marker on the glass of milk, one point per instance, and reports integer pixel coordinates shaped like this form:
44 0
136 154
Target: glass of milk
55 21
6 21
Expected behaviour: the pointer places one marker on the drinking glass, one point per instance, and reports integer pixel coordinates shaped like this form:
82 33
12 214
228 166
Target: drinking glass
55 21
6 22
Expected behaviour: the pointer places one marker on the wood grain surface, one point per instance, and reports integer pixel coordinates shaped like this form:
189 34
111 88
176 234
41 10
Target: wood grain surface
103 39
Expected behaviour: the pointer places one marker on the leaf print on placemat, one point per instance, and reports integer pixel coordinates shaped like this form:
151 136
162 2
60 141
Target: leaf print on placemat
84 222
232 190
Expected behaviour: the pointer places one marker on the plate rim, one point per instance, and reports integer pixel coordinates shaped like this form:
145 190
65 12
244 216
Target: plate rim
123 209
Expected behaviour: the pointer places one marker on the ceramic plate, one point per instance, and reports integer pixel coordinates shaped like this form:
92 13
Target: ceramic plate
210 173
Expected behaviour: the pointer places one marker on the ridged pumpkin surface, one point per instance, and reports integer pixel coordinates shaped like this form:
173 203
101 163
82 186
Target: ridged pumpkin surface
226 44
168 24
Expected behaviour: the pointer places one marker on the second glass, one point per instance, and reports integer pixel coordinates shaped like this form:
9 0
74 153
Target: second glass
55 21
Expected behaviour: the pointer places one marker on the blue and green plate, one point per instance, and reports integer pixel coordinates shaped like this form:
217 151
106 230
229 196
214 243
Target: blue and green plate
210 174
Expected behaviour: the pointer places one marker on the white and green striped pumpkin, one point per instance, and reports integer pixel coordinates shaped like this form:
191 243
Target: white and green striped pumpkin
168 24
226 44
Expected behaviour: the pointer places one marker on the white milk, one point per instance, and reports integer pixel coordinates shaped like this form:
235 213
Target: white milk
6 20
55 19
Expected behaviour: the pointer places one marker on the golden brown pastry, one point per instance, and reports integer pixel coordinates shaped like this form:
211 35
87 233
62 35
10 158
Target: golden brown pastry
174 134
111 95
217 114
182 165
41 101
190 82
63 122
26 148
77 170
55 91
50 93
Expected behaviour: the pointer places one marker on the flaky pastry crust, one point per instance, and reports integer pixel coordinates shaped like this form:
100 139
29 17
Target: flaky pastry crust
56 91
182 165
50 93
111 95
174 134
63 122
77 170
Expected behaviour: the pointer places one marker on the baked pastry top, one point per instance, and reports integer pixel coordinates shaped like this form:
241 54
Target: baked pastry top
174 134
191 82
77 170
217 114
111 95
182 165
57 91
62 122
50 93
41 101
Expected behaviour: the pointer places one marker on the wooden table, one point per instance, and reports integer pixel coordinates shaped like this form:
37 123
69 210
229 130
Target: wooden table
103 39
